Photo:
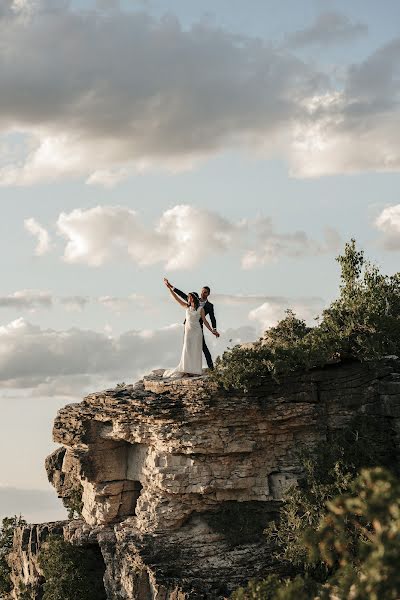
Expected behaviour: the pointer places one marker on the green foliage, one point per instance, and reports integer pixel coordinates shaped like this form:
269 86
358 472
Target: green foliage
255 590
359 539
363 323
283 352
329 469
73 502
323 549
273 588
6 543
27 592
71 572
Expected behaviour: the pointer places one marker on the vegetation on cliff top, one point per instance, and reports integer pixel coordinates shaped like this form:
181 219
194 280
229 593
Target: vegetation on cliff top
339 529
363 323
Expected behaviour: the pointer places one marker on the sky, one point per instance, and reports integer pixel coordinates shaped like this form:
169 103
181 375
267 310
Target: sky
228 143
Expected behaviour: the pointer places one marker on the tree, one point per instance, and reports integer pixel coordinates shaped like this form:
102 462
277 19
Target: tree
363 323
71 572
330 467
359 539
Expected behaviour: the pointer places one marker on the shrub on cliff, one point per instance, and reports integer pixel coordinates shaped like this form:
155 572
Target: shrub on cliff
6 542
358 541
71 572
73 502
329 470
273 588
363 323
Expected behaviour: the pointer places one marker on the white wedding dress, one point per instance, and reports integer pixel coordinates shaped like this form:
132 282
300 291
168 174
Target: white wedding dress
192 351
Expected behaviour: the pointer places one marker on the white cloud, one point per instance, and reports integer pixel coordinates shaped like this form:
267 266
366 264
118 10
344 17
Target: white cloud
244 299
179 95
271 245
27 299
33 300
270 313
119 304
74 302
183 236
329 27
231 337
357 128
73 362
43 237
101 95
388 222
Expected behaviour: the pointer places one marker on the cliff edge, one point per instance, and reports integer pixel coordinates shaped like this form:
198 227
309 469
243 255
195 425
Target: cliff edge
178 479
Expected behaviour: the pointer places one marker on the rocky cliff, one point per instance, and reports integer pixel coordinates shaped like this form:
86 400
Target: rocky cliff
179 478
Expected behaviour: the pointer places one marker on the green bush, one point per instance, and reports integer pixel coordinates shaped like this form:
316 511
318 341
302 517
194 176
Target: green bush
273 588
329 470
71 572
363 323
73 502
6 543
359 539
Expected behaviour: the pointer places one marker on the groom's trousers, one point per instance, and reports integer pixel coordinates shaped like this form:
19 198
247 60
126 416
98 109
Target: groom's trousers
207 354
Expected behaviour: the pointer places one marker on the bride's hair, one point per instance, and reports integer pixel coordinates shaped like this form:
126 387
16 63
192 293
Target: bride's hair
195 298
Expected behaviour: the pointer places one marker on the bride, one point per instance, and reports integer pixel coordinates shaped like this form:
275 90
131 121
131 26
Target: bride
192 352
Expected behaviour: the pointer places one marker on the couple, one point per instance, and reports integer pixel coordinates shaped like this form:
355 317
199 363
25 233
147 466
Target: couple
193 343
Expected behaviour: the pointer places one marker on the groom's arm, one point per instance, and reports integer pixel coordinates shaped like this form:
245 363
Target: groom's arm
212 316
181 294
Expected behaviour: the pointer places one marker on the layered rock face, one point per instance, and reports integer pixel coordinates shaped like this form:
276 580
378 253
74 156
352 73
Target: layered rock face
180 478
26 572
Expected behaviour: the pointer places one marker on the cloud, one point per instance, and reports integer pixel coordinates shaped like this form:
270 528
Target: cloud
43 238
330 27
70 363
356 129
244 299
233 336
270 313
74 302
27 299
103 95
388 222
119 304
32 300
182 237
271 245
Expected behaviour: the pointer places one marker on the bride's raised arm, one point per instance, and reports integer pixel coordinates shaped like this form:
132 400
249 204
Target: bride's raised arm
175 296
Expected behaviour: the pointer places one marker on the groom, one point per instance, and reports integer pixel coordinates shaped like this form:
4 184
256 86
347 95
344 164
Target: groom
208 310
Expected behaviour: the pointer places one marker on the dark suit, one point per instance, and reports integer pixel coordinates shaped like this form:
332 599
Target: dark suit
208 310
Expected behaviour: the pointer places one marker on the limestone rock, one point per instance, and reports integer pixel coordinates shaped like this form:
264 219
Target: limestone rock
180 478
28 541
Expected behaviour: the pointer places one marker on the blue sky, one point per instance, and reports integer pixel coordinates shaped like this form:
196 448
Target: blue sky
225 143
